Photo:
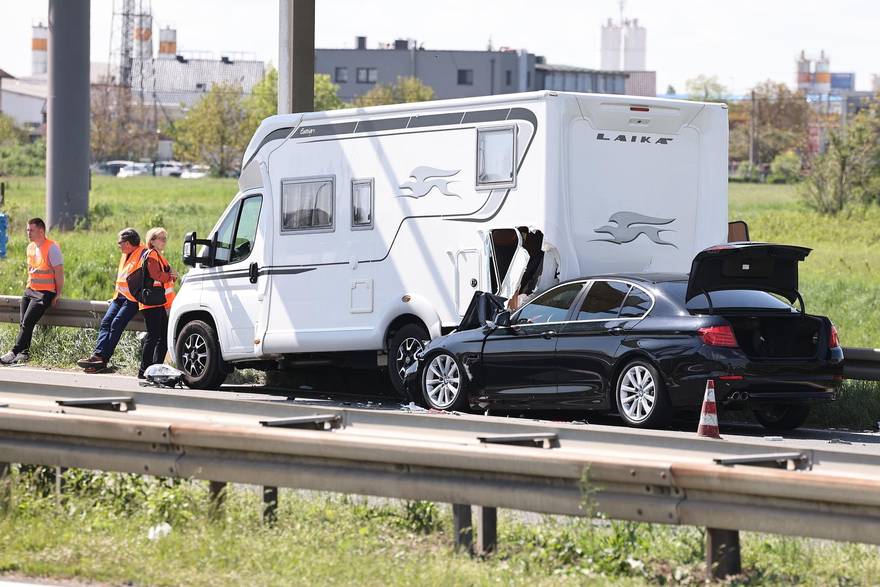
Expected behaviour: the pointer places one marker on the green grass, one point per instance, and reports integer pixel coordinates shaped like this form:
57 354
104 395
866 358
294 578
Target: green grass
98 531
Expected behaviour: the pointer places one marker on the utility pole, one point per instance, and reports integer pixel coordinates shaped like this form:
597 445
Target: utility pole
296 56
67 124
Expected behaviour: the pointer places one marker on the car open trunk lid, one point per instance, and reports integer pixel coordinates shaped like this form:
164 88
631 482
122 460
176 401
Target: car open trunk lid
756 266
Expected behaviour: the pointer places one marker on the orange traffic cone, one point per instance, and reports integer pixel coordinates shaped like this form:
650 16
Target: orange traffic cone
709 414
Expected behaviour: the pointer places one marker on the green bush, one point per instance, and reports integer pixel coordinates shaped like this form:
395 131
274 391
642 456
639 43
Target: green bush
23 159
785 168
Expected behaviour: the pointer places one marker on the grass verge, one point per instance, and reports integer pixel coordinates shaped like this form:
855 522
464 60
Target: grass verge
99 531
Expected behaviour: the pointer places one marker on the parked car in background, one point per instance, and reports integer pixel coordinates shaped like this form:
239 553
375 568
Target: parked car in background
645 345
195 172
110 167
135 169
168 168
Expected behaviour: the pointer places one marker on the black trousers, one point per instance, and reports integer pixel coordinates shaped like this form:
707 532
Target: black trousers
33 305
156 342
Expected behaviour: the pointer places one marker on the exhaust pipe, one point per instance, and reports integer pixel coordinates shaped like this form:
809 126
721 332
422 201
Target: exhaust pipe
738 396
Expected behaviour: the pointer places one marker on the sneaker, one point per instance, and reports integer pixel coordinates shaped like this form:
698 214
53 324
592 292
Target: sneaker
8 358
92 361
141 376
21 358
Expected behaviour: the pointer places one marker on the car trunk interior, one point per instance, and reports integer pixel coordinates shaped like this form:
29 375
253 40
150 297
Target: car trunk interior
788 336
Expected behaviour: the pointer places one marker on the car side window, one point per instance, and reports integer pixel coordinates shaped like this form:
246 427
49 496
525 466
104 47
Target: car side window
246 232
636 304
603 301
551 306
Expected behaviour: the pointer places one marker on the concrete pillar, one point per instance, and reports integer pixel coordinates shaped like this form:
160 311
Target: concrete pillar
296 59
67 149
722 552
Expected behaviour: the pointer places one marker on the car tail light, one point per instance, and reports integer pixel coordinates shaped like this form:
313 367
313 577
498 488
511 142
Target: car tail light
718 336
834 340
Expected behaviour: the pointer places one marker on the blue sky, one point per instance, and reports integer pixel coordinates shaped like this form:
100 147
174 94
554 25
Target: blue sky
741 42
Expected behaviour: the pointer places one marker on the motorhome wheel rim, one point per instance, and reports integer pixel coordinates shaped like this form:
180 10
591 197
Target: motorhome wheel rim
195 354
637 392
442 381
406 354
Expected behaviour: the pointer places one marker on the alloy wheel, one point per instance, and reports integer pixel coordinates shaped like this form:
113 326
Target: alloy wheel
442 381
195 355
638 393
406 355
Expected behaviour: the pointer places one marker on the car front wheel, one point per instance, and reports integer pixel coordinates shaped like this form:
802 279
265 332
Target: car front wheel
443 383
641 396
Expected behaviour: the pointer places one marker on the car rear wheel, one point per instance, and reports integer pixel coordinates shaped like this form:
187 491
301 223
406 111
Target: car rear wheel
402 349
641 396
198 356
781 417
443 383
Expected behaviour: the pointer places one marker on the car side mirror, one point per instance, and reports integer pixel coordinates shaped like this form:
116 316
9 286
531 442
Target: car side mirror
190 255
503 318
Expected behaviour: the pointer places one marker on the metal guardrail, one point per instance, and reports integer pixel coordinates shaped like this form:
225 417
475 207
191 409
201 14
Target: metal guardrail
407 460
861 364
68 312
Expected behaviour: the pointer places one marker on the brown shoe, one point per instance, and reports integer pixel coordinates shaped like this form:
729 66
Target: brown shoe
93 361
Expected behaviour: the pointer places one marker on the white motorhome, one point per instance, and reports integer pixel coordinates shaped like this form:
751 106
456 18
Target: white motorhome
358 233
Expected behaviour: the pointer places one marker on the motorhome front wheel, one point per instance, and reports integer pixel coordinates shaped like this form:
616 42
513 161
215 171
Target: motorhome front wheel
198 356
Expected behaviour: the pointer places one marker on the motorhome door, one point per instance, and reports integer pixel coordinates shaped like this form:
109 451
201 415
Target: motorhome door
231 286
507 260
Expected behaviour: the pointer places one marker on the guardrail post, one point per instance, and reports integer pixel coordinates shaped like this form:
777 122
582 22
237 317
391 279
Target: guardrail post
5 486
59 482
487 530
217 490
722 552
462 526
270 505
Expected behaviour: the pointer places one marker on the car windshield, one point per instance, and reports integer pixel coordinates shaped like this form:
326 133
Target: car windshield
730 299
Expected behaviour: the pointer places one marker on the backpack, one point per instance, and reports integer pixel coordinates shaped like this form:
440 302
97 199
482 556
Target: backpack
143 287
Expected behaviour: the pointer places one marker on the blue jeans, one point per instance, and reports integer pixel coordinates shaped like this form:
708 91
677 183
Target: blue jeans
118 315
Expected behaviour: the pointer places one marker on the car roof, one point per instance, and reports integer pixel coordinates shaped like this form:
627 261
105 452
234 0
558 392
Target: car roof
645 278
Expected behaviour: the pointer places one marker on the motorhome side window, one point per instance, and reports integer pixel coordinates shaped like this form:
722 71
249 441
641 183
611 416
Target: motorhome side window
362 203
496 149
246 232
224 236
307 204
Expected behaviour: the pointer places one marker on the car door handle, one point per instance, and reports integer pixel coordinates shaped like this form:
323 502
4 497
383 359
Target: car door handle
253 272
616 330
548 334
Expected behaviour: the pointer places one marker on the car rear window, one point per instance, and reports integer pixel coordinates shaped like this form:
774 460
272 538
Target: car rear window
734 298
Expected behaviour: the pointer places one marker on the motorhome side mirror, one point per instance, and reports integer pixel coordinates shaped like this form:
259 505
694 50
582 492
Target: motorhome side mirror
502 319
189 249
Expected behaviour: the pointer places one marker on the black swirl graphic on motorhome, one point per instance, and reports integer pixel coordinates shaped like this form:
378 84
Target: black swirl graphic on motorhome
629 225
423 179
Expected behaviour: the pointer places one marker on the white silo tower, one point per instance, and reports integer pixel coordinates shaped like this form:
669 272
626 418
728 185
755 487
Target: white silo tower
143 37
610 50
634 46
167 43
822 77
804 76
39 49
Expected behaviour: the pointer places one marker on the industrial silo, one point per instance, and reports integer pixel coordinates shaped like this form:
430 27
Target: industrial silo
634 49
822 77
167 43
143 37
804 75
610 50
39 48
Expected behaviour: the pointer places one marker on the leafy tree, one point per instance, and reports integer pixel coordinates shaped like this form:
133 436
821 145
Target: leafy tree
120 129
706 89
215 131
326 91
405 89
11 133
670 90
786 167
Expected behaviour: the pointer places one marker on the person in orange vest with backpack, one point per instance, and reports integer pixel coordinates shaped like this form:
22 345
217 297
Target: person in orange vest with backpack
159 275
45 281
122 308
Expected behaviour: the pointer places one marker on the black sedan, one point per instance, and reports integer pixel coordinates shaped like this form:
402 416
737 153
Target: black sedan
645 345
